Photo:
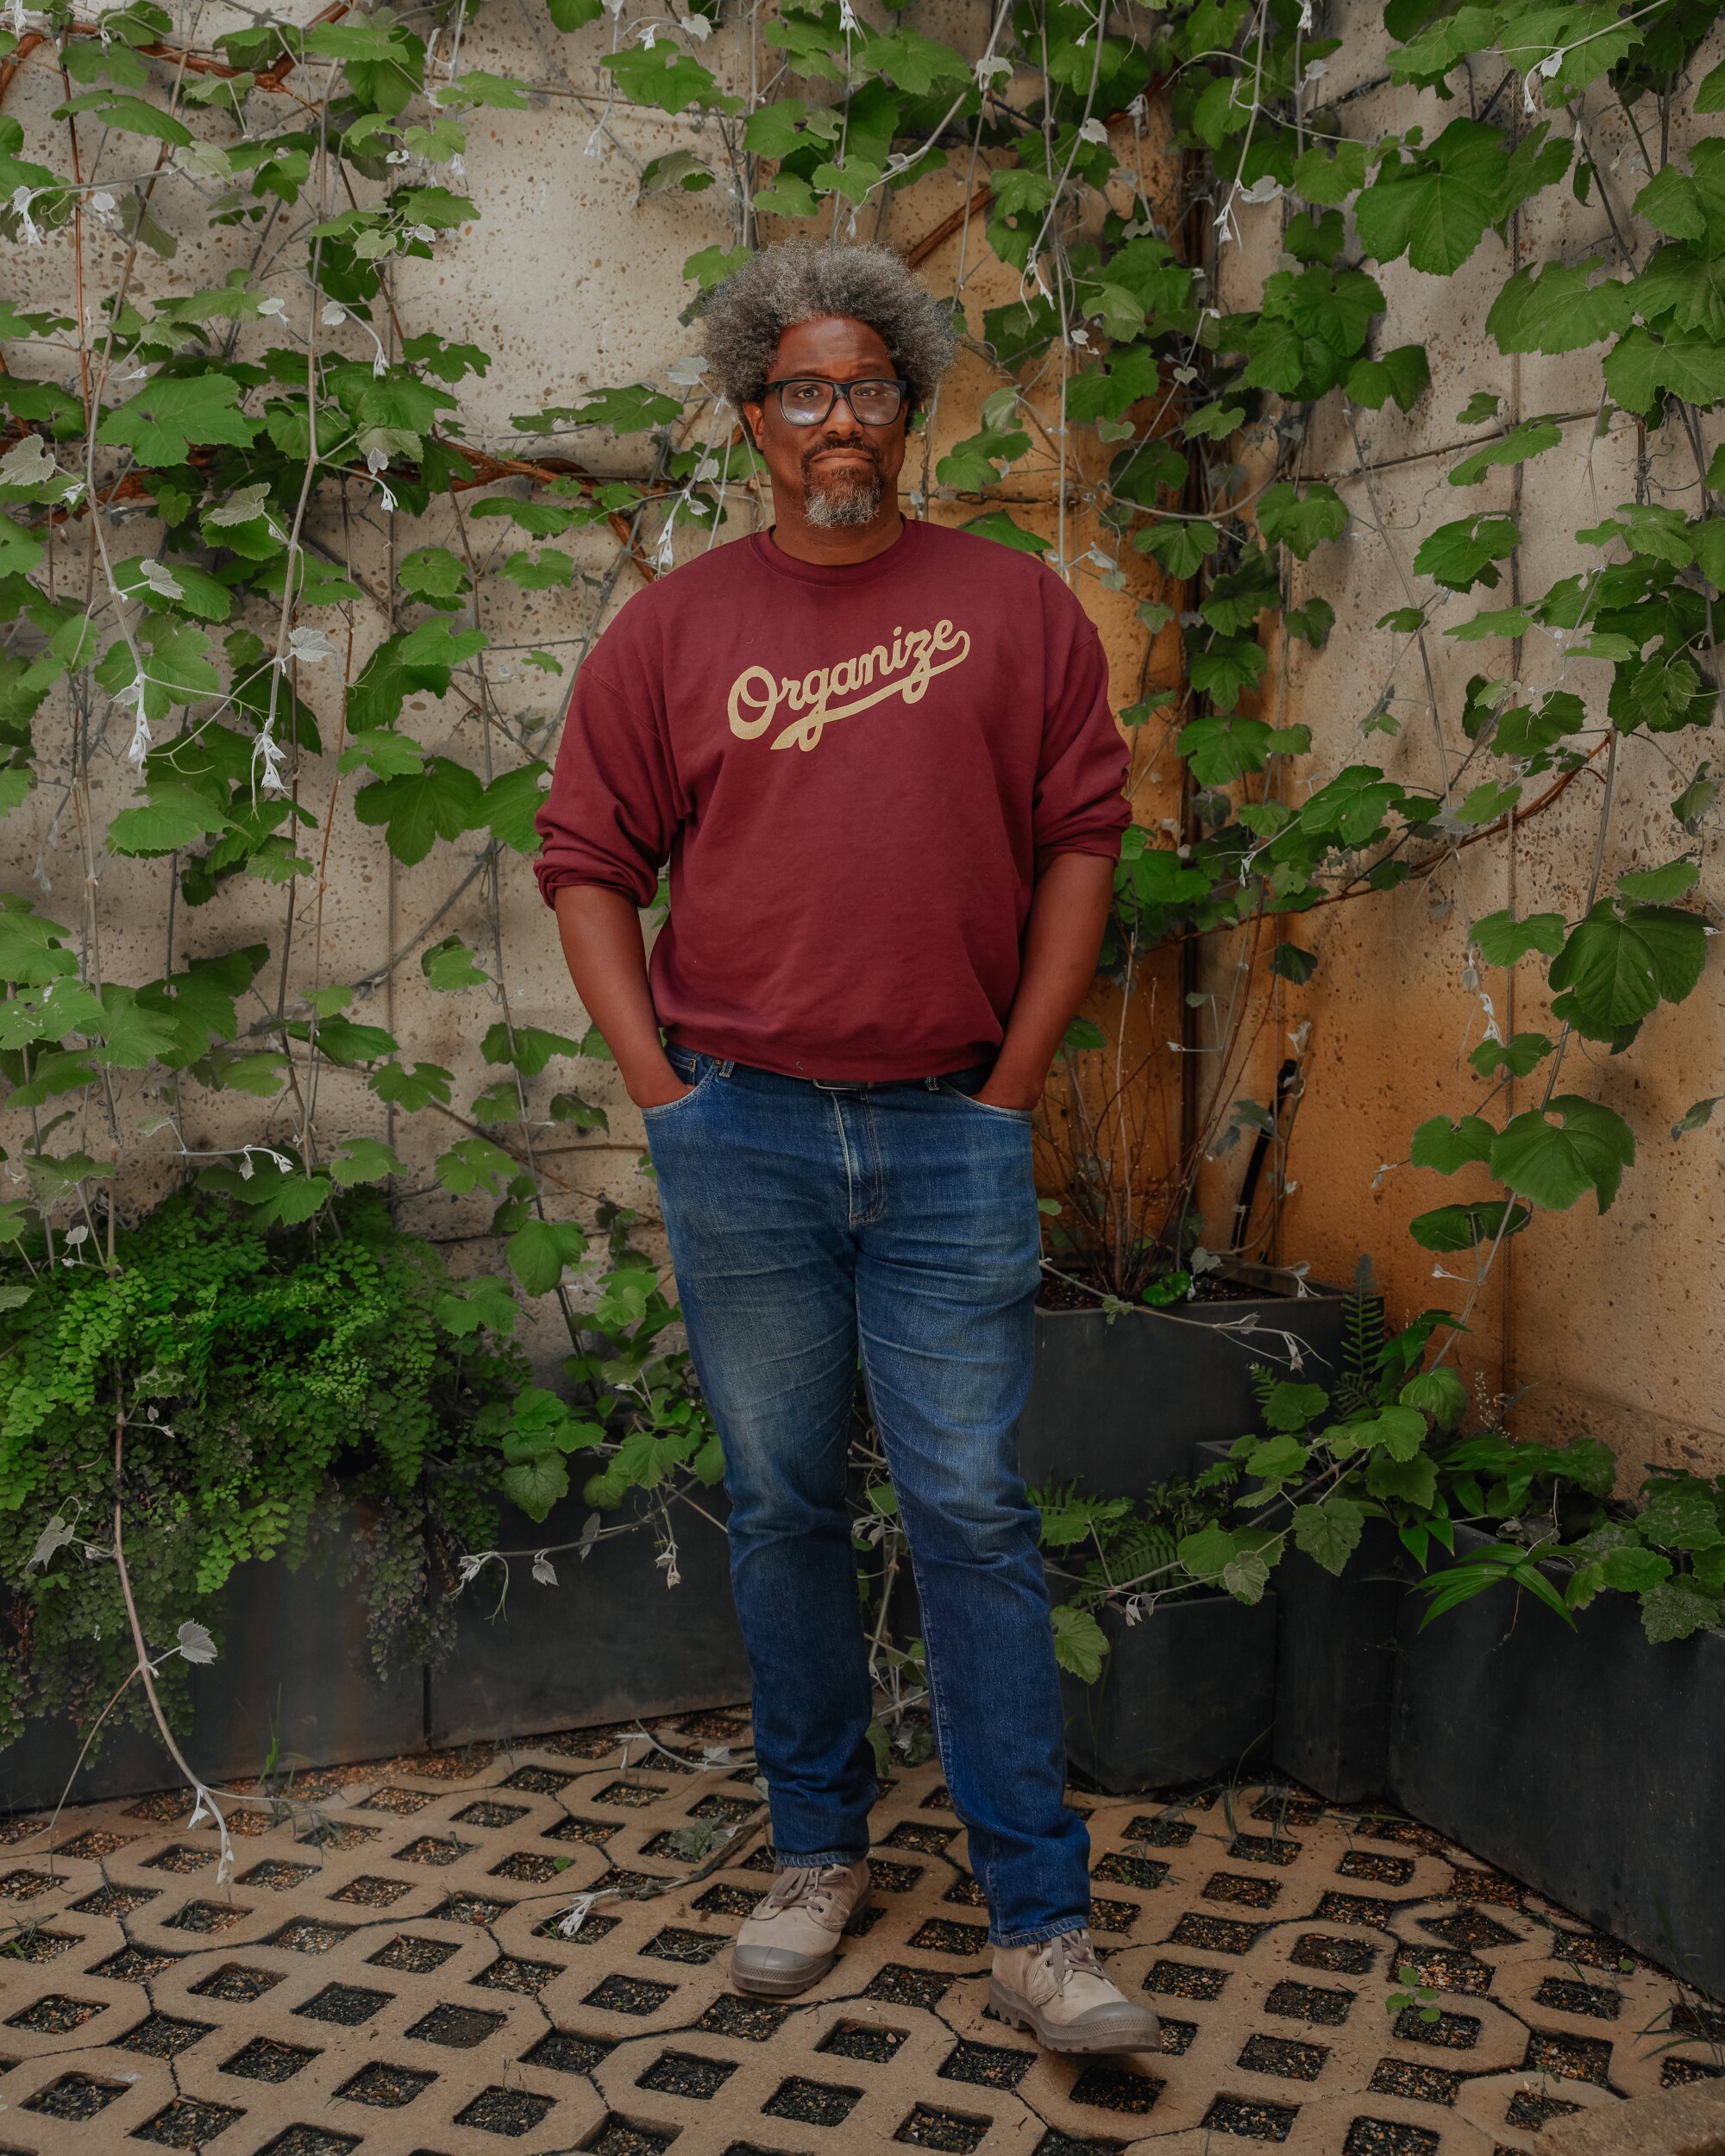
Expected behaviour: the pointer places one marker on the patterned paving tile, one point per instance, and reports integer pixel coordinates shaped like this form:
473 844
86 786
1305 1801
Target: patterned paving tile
388 1973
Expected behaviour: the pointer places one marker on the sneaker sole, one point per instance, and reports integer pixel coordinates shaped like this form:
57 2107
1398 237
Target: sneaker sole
789 1987
1017 2012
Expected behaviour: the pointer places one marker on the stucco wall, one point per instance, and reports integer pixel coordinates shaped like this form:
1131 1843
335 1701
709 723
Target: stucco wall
572 282
1602 1326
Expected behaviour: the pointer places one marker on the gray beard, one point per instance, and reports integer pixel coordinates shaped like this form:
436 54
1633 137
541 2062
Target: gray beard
829 508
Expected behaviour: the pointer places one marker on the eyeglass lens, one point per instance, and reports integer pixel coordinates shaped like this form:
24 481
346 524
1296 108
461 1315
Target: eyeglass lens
807 402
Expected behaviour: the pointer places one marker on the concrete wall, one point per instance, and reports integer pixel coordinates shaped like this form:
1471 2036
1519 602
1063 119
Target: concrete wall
1606 1326
573 281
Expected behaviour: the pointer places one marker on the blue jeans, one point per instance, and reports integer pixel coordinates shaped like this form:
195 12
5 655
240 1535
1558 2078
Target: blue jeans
810 1228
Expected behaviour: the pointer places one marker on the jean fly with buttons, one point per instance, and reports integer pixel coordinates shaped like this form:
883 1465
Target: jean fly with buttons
813 1228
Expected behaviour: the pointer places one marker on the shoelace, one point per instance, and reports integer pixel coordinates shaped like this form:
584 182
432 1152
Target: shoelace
803 1883
1071 1952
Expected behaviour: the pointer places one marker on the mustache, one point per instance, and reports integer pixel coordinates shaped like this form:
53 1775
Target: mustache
840 441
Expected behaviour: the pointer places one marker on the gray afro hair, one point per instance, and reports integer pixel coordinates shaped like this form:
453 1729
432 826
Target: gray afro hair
796 281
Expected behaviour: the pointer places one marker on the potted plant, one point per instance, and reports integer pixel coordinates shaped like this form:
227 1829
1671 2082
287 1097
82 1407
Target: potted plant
1145 1335
271 1432
1133 1623
1572 1733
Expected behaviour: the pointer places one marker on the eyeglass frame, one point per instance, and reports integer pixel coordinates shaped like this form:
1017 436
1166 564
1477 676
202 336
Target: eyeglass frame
843 390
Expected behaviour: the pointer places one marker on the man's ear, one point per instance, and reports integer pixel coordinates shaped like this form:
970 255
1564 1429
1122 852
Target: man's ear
751 426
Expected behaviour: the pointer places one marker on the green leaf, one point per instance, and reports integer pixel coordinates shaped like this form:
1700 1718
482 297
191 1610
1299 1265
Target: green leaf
511 802
1448 1146
574 15
1436 209
442 800
433 574
998 526
450 965
364 1159
1615 968
529 1047
134 1034
1502 939
1329 172
1696 1116
1461 554
1633 1570
1227 666
1246 1576
1464 1227
1274 1460
1328 1533
411 1089
1682 1513
660 75
1404 374
473 1163
1304 520
1437 1393
484 1302
419 662
174 816
171 414
1656 887
1414 1480
1081 1647
1182 546
1679 1608
1648 365
1291 1407
132 116
535 1485
540 1250
1531 439
346 1044
549 570
1552 1166
1554 309
1207 1554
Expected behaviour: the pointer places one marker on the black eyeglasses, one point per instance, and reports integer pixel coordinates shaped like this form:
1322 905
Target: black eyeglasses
806 400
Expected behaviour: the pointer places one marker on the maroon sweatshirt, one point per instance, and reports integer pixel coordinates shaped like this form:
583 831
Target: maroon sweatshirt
850 771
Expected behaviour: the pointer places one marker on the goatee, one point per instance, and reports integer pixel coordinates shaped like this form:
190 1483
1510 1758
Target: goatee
838 503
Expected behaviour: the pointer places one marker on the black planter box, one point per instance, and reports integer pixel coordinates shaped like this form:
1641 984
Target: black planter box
1187 1694
1116 1406
609 1642
1335 1666
1589 1763
294 1671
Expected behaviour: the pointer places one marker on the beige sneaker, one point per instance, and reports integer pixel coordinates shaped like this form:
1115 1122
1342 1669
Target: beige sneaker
1057 1991
791 1940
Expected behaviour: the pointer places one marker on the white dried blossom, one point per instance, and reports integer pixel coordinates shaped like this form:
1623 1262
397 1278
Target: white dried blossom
267 751
310 646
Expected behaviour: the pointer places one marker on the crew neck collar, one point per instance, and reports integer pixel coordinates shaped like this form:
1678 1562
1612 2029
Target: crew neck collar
773 557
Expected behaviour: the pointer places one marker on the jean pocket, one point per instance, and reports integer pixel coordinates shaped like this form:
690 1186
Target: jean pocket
987 1107
670 1108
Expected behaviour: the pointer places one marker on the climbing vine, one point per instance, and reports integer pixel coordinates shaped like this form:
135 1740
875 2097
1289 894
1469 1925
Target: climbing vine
272 606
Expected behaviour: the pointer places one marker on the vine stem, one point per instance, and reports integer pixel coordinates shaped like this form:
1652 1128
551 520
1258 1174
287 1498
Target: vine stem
145 1669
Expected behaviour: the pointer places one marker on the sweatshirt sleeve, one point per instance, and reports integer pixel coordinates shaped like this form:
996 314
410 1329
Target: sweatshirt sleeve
614 806
1080 804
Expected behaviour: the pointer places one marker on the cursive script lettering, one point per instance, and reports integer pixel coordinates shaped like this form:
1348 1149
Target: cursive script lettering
826 693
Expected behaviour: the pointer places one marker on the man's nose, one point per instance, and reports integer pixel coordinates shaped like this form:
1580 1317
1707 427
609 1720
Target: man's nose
842 421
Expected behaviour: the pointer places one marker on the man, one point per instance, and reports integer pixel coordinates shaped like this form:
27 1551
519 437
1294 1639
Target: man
879 758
